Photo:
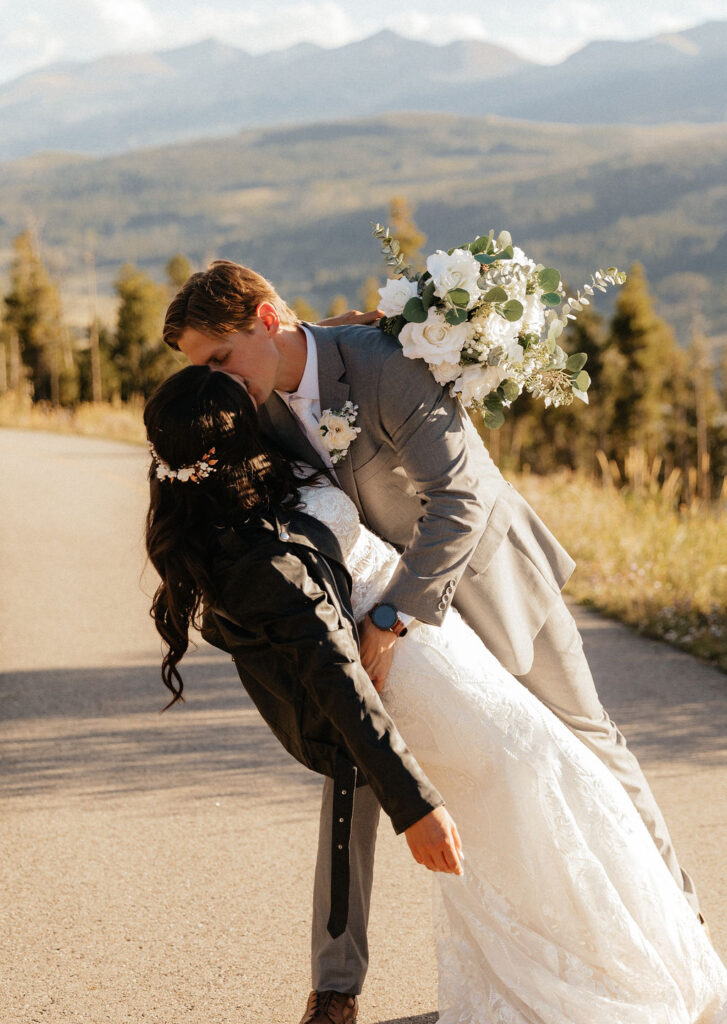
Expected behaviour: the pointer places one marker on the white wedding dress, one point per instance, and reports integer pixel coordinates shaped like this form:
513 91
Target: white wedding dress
566 913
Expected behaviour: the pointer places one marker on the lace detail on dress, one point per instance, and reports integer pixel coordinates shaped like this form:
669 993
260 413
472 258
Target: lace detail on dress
566 913
369 559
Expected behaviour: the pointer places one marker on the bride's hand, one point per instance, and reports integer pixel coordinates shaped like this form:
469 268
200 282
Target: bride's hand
352 317
434 842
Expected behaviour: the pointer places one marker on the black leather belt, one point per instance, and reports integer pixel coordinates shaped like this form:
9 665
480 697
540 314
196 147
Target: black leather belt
344 787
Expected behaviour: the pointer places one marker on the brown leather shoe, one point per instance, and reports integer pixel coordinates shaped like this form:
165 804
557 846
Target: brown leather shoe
330 1008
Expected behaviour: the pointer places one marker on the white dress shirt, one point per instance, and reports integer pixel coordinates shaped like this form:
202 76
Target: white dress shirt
305 402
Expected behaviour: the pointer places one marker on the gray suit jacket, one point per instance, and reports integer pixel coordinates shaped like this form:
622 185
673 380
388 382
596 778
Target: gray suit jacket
421 478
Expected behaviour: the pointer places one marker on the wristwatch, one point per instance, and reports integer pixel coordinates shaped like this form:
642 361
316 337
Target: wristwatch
385 616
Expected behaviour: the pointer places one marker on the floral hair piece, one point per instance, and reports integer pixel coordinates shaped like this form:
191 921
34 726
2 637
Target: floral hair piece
199 471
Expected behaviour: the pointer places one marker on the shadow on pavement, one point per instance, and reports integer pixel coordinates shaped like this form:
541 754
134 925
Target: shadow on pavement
423 1018
99 732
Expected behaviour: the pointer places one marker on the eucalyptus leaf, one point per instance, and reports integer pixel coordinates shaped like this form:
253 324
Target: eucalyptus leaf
484 259
495 295
576 362
549 279
512 310
480 245
427 295
507 253
504 240
551 299
559 358
510 390
582 381
414 311
456 316
459 296
494 419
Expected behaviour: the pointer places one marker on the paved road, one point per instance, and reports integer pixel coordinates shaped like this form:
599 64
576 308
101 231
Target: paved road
157 869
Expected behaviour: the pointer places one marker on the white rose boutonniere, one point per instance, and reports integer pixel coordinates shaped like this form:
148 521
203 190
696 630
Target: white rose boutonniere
336 427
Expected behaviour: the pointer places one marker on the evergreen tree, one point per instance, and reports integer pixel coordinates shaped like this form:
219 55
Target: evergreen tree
639 349
178 270
404 229
369 293
304 311
141 358
110 378
338 306
35 327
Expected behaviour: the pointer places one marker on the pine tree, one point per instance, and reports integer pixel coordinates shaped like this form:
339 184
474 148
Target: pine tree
140 356
304 311
36 329
338 306
178 270
108 370
404 229
639 348
369 293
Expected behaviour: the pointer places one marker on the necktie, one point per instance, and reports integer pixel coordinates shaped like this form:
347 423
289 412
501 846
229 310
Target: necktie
302 409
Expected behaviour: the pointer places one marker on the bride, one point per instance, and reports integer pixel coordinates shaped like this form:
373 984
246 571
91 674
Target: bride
566 911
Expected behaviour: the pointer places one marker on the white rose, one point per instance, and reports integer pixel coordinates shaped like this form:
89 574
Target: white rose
395 294
476 382
460 270
435 340
445 373
497 331
533 320
518 256
514 353
337 432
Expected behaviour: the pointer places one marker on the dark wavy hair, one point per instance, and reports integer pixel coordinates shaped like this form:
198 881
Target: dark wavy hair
190 413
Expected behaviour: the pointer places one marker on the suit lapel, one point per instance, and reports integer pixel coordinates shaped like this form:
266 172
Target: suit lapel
280 425
335 392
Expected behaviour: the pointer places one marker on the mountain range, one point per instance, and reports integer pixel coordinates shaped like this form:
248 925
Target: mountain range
210 89
297 203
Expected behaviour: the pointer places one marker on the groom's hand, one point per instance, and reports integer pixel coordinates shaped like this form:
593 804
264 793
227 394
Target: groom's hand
377 651
352 317
434 842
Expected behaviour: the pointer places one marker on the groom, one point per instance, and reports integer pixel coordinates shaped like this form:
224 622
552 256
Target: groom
421 478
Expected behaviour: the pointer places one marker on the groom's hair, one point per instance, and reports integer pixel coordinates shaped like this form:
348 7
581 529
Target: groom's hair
221 300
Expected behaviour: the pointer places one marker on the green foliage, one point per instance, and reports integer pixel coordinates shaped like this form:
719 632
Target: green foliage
338 306
304 311
34 322
139 354
404 229
178 269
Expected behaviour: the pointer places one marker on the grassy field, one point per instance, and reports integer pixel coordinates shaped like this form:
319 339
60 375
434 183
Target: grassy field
659 568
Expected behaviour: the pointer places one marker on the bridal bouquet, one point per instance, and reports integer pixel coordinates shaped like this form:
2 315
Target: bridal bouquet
486 319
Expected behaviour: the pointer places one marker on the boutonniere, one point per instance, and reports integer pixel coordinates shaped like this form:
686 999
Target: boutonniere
336 427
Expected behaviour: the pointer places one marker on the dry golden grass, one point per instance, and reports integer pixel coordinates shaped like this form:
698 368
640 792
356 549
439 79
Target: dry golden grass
641 559
116 422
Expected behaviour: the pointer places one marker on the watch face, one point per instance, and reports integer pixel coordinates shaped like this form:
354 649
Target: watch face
384 616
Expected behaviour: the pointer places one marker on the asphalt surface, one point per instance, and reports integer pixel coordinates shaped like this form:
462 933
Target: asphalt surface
158 868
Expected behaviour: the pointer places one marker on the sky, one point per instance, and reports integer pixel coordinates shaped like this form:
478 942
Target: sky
32 35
